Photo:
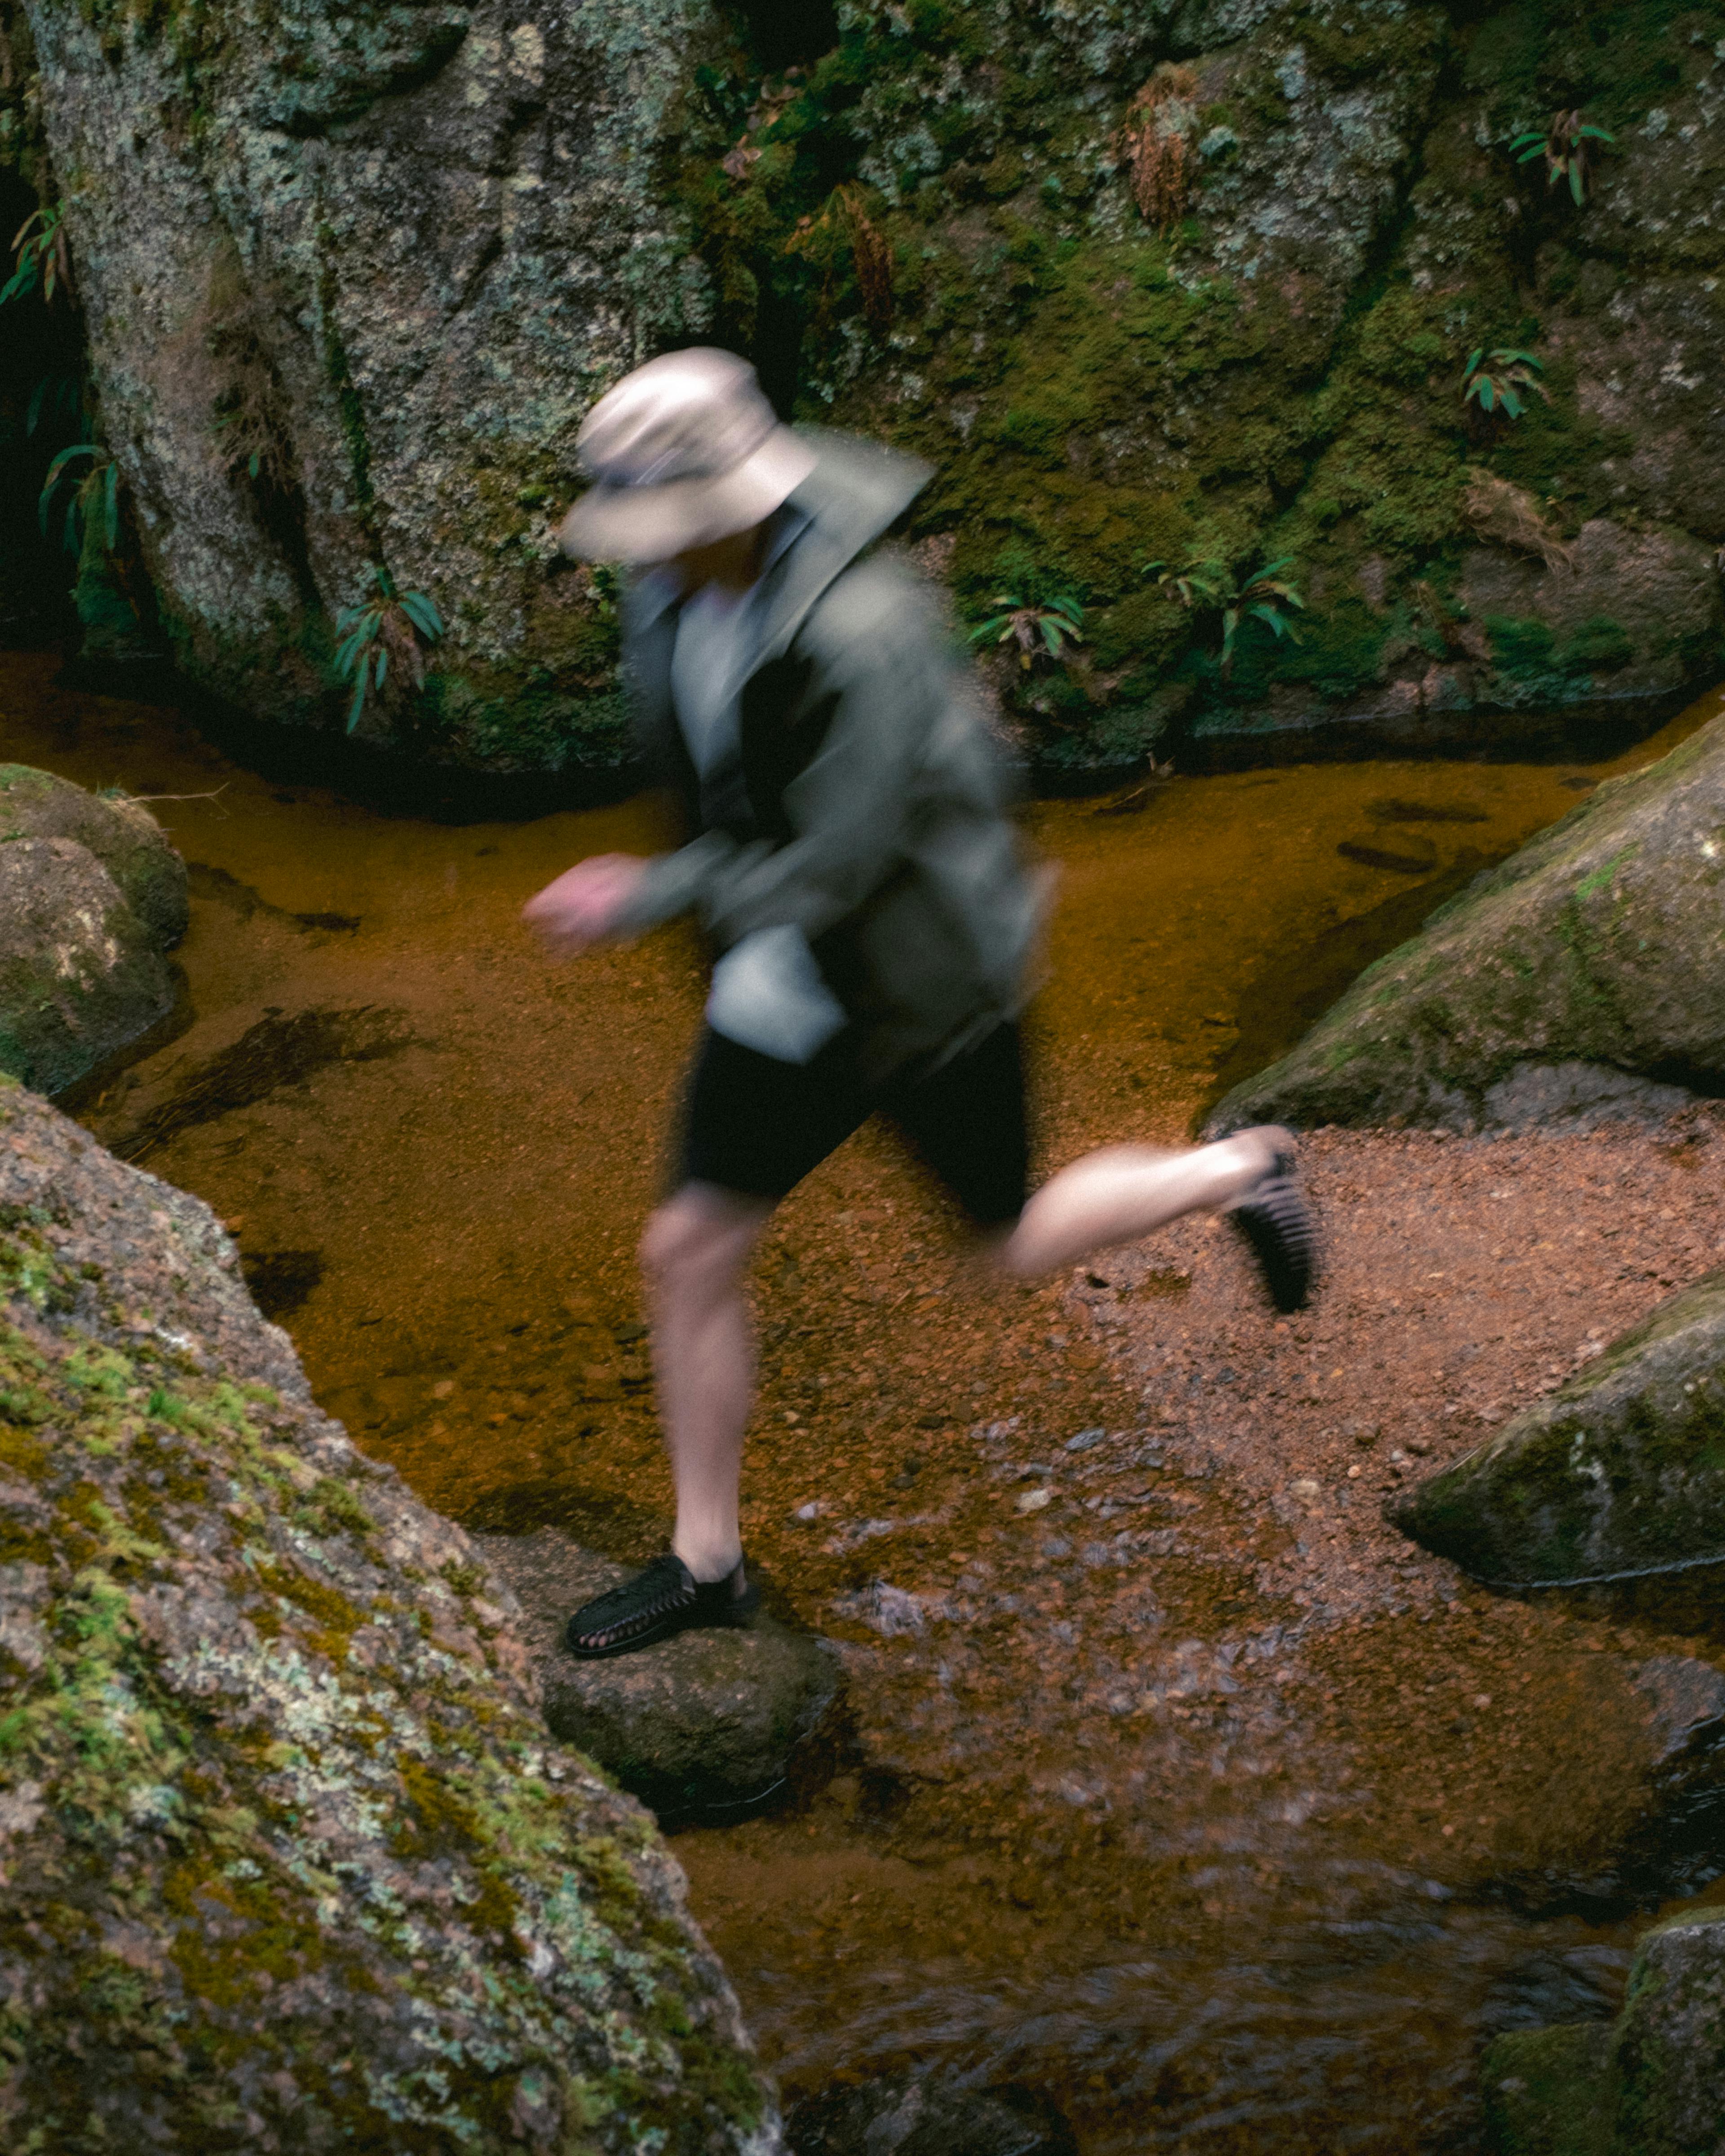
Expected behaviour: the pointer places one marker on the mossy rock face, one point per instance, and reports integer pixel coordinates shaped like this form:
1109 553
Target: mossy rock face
352 282
122 835
80 976
290 1861
1621 1468
1584 977
1649 2084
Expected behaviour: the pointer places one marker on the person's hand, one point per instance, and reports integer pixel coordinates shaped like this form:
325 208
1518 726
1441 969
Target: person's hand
579 909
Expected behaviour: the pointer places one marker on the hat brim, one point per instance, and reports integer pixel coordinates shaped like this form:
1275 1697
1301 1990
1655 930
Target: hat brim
646 524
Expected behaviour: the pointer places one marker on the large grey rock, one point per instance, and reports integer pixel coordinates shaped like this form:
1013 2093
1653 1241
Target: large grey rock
1585 976
122 835
81 976
1622 1469
287 1859
703 1724
1650 2084
351 282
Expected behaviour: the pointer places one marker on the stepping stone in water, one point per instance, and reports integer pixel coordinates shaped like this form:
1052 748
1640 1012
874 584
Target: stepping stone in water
707 1725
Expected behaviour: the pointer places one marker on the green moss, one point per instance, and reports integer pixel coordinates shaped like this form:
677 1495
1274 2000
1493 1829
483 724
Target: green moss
1547 2091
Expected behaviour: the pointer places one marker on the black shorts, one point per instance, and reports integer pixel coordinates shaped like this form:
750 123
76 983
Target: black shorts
756 1125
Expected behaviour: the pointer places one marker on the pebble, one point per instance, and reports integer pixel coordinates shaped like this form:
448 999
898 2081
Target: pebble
1033 1500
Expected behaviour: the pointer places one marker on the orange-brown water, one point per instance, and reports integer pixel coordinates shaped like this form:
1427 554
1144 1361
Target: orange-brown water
437 1148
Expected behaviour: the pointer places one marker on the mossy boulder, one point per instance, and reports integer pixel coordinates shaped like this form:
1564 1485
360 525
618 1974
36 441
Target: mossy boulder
708 1725
289 1860
1650 2084
1584 977
1621 1468
91 896
121 832
81 976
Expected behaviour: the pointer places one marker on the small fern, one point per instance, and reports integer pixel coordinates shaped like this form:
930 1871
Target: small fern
402 623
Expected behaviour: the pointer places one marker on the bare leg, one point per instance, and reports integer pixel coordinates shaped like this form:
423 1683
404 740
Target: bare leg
1123 1191
694 1252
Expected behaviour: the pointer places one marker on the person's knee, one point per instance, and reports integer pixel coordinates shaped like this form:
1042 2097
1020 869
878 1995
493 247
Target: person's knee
689 1243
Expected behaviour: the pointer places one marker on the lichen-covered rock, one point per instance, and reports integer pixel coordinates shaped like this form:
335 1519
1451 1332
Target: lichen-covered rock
287 1861
122 835
1585 976
707 1723
1179 282
81 976
1619 1470
1650 2084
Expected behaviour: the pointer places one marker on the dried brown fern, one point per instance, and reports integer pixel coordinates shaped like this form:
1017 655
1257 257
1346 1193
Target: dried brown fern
1156 147
873 257
845 217
1499 509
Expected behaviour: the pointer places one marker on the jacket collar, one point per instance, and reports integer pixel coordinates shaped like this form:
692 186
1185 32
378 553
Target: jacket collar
854 492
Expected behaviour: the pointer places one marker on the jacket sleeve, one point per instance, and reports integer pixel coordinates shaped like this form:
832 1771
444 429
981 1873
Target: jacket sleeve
878 656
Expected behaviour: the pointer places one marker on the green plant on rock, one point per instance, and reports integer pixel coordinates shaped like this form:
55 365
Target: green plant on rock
1567 147
1042 624
1199 583
39 256
96 495
402 623
1493 381
1262 595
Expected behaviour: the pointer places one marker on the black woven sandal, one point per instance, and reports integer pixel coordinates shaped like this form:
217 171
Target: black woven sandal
1276 1220
663 1599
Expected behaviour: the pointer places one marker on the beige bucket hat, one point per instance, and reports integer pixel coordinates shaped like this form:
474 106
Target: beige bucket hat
685 450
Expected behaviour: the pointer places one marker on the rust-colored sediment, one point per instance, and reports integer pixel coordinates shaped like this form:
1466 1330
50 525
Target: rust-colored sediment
1188 1797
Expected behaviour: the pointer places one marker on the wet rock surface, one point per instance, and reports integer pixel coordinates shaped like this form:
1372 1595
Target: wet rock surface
1651 2084
904 2118
289 1861
1583 980
702 1726
1620 1470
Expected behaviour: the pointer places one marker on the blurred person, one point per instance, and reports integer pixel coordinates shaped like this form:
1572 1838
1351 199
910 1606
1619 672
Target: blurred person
855 866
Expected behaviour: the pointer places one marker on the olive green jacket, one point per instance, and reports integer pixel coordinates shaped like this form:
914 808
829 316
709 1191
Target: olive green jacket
878 806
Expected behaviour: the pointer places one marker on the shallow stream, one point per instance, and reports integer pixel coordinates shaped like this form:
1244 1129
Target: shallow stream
1189 1794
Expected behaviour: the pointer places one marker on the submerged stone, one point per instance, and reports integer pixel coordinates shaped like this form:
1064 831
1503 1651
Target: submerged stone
1650 2084
1621 1469
1584 979
703 1725
287 1859
928 2117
